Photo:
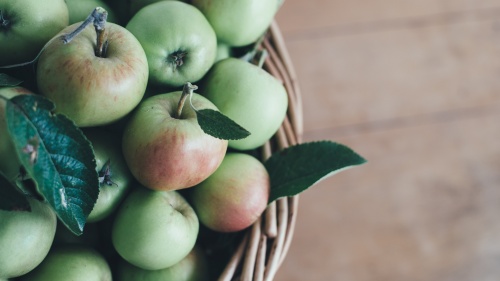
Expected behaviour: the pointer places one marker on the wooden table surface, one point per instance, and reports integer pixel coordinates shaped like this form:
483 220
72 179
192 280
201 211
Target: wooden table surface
414 87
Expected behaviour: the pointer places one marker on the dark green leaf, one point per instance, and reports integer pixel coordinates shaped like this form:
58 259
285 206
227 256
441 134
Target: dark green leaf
297 168
8 81
218 125
57 156
10 198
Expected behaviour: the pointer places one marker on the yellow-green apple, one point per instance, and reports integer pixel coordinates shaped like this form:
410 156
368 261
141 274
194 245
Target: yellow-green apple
154 229
136 5
238 23
179 42
169 152
192 268
250 96
25 238
71 262
93 90
80 9
114 177
9 161
27 25
233 197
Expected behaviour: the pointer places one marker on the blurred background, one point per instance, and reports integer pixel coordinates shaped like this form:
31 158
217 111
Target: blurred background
414 87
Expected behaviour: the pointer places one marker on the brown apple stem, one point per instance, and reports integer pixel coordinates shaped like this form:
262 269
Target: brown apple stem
187 91
98 17
100 50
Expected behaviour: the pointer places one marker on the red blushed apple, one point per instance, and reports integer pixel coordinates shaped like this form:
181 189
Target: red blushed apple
165 152
234 196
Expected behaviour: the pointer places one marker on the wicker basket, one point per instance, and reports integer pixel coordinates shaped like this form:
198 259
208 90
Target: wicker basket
265 244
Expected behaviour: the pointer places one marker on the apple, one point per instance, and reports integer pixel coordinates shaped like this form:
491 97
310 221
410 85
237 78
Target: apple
166 152
89 89
238 23
27 25
193 267
234 196
71 262
250 96
154 229
179 42
136 5
223 51
9 161
115 178
80 9
25 238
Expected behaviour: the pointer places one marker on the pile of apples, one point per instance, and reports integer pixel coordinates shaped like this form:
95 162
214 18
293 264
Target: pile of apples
133 88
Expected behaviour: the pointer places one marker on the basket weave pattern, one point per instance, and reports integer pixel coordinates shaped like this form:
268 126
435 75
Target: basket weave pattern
266 243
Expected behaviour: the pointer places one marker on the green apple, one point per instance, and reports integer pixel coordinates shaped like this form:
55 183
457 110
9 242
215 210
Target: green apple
179 42
154 229
166 152
25 238
71 262
27 25
234 196
136 5
250 96
89 89
192 268
238 23
80 9
9 161
114 176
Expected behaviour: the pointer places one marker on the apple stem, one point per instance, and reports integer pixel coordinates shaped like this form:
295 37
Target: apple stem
98 17
4 23
187 91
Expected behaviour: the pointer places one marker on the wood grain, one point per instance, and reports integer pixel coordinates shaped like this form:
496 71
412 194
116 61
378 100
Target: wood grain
413 87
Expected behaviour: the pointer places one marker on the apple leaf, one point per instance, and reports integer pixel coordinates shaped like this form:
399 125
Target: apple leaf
298 167
10 198
218 125
8 81
57 156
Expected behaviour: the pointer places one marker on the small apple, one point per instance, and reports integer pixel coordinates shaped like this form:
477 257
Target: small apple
250 96
9 161
25 238
179 42
26 25
80 9
193 267
167 152
89 89
234 196
71 262
154 229
114 177
238 23
136 5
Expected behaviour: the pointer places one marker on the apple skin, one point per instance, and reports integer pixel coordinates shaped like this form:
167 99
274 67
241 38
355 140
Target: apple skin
32 23
168 28
71 262
9 161
136 5
79 10
248 95
193 267
91 90
106 146
165 153
154 229
233 197
25 238
238 23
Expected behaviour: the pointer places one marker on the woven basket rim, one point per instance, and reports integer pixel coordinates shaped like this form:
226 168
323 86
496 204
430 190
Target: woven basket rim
265 244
